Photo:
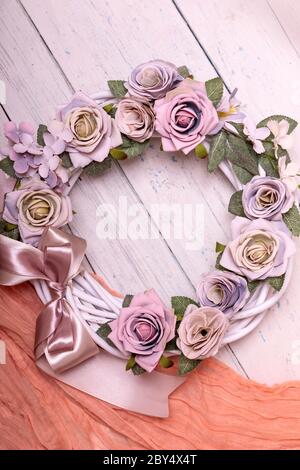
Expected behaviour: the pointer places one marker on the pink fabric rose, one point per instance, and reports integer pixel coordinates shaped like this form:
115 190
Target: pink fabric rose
94 131
35 206
201 332
260 248
185 116
143 329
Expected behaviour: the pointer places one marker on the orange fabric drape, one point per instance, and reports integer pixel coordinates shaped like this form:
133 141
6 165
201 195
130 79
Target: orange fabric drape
214 409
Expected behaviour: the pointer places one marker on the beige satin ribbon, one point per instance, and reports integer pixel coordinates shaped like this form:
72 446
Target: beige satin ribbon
59 333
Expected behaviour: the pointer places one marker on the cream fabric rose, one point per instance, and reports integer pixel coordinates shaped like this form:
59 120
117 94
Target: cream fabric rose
35 206
201 332
259 249
135 119
94 131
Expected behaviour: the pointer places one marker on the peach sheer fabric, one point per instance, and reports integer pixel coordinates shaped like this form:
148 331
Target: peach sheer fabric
214 409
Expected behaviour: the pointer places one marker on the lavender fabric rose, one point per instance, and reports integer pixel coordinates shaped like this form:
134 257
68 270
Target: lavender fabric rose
135 119
94 131
143 329
223 290
185 116
35 206
260 249
201 332
153 79
266 198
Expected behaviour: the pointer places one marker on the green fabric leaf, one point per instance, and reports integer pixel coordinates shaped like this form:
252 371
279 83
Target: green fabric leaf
96 168
9 230
14 234
40 134
117 88
278 117
2 226
165 362
110 109
253 285
137 370
66 160
127 300
184 71
239 153
171 345
135 148
292 220
220 247
214 90
186 365
104 331
6 165
216 151
276 282
9 227
218 265
239 127
243 175
180 304
200 151
131 362
236 205
117 154
269 165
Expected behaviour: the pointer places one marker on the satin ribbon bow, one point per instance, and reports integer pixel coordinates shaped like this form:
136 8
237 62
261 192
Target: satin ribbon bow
60 335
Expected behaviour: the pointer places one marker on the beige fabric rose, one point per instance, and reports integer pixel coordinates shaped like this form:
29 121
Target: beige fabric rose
35 206
135 119
201 332
260 249
94 131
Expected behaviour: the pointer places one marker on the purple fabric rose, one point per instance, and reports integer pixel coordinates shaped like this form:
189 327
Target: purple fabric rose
94 131
223 290
265 197
143 329
153 79
201 332
260 249
35 206
185 116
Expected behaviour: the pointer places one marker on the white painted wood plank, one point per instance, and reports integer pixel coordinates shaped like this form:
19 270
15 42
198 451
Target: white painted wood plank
288 16
251 50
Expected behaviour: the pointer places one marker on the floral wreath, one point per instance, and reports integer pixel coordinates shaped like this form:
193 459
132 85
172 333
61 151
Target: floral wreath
80 315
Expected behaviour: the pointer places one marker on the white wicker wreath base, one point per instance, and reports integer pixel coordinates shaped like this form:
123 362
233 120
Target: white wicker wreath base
94 305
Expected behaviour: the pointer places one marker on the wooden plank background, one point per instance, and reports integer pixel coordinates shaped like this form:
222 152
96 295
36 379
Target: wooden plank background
49 48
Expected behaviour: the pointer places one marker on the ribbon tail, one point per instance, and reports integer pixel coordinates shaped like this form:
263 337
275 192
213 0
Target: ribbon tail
57 350
103 376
